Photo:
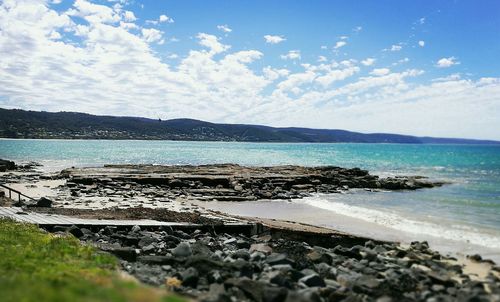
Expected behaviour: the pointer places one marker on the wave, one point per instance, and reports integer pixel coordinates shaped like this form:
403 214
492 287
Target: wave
450 231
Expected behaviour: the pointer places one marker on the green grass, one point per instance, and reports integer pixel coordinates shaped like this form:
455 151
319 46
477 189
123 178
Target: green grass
37 266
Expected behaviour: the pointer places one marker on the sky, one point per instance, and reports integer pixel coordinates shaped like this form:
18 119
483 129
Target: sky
427 68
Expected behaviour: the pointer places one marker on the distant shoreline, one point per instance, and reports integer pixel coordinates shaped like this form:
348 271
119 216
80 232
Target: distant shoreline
247 142
18 123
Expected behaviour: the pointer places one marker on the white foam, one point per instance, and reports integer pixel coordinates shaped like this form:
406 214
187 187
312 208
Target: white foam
445 230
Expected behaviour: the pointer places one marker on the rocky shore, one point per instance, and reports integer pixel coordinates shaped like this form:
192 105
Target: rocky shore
275 261
270 266
229 182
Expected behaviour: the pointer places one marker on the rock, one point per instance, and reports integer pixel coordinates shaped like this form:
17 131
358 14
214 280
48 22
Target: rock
441 278
44 202
126 253
280 278
243 254
6 165
274 294
148 248
475 257
135 229
76 231
190 277
214 277
230 241
216 293
157 260
146 240
275 258
252 289
204 264
171 238
367 281
182 250
313 280
305 295
260 247
242 244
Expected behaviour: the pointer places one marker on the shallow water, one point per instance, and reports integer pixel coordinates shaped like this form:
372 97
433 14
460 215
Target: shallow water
466 211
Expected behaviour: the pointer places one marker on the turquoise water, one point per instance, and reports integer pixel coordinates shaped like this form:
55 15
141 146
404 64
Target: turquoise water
471 203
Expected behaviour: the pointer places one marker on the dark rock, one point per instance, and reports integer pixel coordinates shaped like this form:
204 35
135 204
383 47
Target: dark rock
126 253
305 295
6 165
190 277
216 293
204 264
274 294
252 289
243 254
170 238
215 277
313 281
146 240
242 244
280 278
76 231
475 257
159 260
44 202
182 250
276 258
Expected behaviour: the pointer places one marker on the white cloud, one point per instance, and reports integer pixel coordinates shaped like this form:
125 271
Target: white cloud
447 62
273 74
421 43
380 71
212 42
421 20
292 55
165 18
368 61
224 28
396 47
128 25
274 39
129 16
161 19
336 75
340 44
151 35
324 47
357 29
110 68
94 13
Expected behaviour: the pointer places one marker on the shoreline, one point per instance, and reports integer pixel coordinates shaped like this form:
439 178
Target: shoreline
179 193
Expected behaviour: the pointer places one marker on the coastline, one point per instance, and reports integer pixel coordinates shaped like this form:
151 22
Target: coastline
188 193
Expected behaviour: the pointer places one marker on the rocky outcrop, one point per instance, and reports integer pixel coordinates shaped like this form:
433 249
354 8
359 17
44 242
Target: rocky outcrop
6 165
213 266
229 182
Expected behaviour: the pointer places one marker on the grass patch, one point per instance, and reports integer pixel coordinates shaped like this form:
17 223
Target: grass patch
37 266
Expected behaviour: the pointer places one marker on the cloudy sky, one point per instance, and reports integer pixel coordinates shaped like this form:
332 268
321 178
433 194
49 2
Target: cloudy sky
411 67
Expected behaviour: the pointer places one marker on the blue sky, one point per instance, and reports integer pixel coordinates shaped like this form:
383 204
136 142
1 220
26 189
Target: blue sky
413 67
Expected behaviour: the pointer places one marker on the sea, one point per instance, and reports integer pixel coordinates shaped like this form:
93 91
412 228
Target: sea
462 217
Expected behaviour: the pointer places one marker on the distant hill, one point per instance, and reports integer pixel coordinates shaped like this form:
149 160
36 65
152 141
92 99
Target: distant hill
15 123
